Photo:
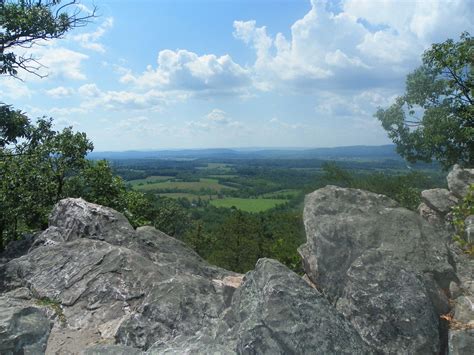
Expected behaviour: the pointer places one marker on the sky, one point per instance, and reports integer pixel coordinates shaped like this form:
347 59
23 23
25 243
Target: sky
171 74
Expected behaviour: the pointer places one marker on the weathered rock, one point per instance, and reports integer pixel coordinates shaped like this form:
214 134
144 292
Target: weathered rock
459 180
364 252
24 329
111 350
134 287
461 332
430 214
461 342
273 312
74 218
469 227
441 200
389 306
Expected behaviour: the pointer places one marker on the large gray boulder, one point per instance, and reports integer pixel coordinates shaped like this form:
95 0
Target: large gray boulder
273 312
134 290
441 200
383 266
459 180
24 327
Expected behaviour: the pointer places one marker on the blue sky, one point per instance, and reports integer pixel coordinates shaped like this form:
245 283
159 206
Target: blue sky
225 73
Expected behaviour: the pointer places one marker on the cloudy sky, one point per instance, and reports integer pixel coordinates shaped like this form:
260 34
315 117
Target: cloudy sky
156 74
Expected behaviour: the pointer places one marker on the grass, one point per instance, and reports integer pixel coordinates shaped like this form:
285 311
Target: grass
248 204
150 180
189 196
54 305
202 184
288 193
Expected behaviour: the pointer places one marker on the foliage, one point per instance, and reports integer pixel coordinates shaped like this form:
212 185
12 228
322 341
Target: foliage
54 305
464 209
34 174
434 119
404 188
13 125
24 23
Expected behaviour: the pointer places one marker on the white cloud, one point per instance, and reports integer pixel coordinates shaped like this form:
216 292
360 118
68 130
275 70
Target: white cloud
124 100
188 72
215 120
12 88
57 62
368 43
218 116
60 92
90 40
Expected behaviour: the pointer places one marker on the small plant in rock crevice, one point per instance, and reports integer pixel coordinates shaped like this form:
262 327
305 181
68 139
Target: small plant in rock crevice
54 305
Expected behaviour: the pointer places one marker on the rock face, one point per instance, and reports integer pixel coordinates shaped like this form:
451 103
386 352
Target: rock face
459 180
131 287
106 288
381 265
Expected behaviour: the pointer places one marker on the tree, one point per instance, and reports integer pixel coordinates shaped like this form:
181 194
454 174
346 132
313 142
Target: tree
434 119
24 23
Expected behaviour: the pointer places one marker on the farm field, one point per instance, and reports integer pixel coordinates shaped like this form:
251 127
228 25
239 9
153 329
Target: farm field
185 186
150 180
248 204
288 193
189 196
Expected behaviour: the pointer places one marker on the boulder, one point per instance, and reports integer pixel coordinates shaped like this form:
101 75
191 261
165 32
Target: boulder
117 284
273 312
441 200
459 180
24 328
377 260
429 214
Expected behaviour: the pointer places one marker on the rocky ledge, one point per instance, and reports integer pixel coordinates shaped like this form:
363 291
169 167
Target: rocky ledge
379 279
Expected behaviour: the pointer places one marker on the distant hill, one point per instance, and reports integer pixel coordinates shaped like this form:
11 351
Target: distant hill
336 153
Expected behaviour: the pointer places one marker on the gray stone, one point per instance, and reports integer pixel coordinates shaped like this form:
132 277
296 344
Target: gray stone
24 329
469 228
459 180
461 342
441 200
430 214
361 249
74 218
134 287
390 307
111 350
273 312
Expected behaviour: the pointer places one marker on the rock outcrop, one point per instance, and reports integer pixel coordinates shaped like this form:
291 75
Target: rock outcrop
381 265
379 279
92 284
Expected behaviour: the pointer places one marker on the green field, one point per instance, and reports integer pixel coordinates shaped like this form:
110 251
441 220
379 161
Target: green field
248 204
150 180
217 166
288 193
202 184
189 196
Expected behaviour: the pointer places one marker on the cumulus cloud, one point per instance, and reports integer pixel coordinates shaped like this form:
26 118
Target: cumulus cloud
186 71
12 88
215 120
93 97
57 62
60 92
364 44
90 40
